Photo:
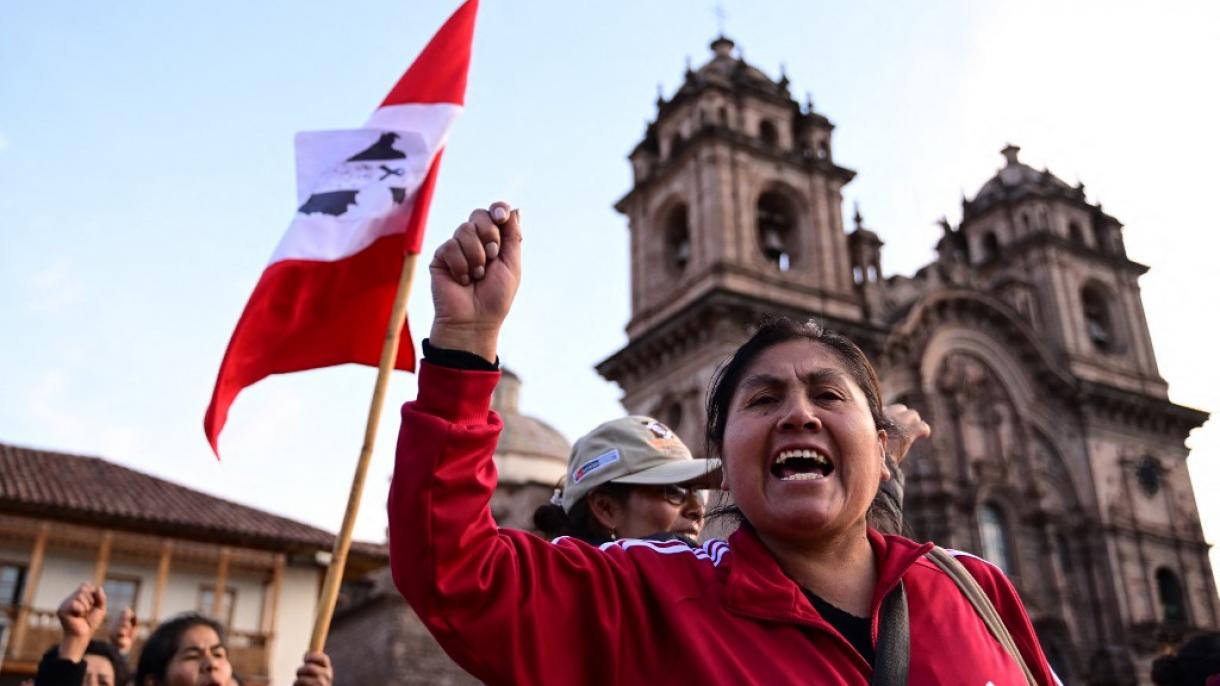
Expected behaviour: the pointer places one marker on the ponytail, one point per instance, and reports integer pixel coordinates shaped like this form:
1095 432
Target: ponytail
552 521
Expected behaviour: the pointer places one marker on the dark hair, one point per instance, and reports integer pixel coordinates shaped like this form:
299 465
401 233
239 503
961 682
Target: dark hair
164 642
552 521
885 511
106 650
1196 660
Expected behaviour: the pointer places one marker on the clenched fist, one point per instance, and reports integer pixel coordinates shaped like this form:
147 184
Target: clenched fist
475 276
123 630
80 614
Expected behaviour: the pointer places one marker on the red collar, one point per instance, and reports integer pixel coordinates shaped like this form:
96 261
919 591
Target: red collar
757 586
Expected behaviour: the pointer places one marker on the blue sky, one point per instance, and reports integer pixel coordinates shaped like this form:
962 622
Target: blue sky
146 175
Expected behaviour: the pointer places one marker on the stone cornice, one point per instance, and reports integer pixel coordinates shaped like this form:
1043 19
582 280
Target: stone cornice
1045 238
956 305
973 209
711 278
736 140
696 324
1138 410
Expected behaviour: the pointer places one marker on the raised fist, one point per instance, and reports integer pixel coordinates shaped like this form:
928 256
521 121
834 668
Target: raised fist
123 630
80 614
475 276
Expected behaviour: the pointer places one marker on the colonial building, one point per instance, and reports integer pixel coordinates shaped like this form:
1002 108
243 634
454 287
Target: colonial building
1057 453
161 549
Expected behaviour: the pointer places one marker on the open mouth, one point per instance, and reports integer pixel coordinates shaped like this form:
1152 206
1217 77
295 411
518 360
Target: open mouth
802 464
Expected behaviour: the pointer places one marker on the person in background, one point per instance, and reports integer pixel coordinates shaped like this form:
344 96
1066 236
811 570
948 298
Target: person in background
190 650
187 650
1196 663
629 478
79 660
122 631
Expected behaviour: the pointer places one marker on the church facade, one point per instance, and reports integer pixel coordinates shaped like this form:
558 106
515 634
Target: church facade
1056 452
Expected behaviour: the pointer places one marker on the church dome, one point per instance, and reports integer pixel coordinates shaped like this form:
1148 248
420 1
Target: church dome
1014 179
529 450
730 72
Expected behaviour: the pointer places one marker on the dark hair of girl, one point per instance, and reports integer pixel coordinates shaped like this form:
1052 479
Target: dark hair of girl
101 649
885 512
163 644
1196 660
553 522
108 651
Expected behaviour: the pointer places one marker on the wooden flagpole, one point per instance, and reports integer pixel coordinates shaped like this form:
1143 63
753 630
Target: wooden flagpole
343 542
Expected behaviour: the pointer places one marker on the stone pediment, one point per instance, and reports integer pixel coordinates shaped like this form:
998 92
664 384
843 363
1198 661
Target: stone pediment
973 308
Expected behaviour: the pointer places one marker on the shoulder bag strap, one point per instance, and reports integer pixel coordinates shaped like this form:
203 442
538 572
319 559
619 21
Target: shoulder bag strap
893 656
982 604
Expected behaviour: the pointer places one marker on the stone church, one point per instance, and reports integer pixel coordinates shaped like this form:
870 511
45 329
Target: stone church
1056 453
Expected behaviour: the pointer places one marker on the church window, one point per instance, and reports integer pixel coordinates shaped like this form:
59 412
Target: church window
857 274
1075 234
206 603
1098 323
672 417
776 229
121 591
994 534
677 238
990 247
1065 552
1148 475
12 583
675 145
1025 221
823 150
723 113
1173 604
768 133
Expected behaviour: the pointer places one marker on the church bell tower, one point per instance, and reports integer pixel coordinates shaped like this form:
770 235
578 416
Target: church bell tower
735 213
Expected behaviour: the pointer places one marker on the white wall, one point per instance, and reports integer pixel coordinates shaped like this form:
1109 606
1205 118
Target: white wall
298 601
66 568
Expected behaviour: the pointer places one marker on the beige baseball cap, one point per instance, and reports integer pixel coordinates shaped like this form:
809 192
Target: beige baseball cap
633 450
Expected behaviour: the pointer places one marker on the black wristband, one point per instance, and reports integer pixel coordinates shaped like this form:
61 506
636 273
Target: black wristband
458 359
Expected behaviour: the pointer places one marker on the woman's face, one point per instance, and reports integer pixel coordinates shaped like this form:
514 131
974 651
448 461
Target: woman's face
661 509
98 671
201 660
803 457
650 510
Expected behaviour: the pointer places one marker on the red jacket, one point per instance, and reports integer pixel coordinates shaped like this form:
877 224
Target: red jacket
512 608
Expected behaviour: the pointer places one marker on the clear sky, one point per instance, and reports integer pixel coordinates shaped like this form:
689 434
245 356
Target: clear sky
146 175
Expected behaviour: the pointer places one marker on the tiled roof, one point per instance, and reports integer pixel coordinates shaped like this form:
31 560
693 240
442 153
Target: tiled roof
94 492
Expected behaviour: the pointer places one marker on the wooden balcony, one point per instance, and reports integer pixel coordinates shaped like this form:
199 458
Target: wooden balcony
34 630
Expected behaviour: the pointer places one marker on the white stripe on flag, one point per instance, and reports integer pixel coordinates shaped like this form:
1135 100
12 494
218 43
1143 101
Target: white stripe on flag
346 205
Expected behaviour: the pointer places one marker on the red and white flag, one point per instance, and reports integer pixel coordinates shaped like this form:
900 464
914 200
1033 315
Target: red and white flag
363 196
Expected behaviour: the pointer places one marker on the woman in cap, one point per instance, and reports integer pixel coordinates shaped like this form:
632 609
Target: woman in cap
805 591
629 478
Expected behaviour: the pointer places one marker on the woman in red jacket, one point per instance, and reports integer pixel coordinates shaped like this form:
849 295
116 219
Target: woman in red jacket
803 592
